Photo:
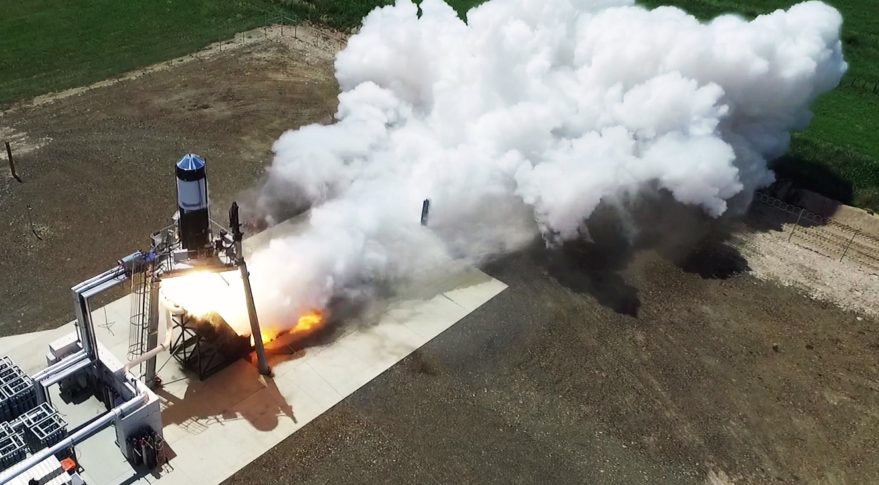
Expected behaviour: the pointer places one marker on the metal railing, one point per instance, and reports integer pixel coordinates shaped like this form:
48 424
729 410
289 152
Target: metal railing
820 234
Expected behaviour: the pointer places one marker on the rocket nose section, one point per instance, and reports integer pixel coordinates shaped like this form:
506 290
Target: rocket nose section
191 162
191 167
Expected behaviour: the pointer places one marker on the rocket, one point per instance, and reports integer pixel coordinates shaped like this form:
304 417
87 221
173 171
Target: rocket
193 224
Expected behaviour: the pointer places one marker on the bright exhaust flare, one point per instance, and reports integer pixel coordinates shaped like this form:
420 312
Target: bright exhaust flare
204 293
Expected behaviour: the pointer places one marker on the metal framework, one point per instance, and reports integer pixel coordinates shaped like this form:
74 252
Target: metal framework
194 349
204 347
12 446
42 426
16 390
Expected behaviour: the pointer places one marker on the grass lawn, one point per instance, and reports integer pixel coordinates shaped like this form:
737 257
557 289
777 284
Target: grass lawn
50 45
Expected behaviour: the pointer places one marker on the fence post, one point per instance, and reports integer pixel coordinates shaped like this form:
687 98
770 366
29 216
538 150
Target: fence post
796 225
11 162
845 251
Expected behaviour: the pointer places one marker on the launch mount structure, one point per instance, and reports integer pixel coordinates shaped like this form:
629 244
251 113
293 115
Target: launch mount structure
79 361
185 247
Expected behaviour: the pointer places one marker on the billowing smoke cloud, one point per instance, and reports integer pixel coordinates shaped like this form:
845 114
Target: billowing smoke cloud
519 122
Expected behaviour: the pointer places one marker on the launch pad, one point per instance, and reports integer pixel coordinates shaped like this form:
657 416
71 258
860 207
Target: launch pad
211 411
213 427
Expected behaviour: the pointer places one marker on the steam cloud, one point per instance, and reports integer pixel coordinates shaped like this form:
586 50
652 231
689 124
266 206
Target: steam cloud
520 122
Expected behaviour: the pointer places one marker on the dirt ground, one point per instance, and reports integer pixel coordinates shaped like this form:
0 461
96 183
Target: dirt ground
98 164
579 373
591 368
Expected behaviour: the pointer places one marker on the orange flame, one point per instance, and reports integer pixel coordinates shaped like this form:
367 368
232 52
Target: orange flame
308 324
204 293
266 337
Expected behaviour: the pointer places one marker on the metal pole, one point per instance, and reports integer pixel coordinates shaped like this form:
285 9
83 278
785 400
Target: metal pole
11 162
262 363
796 225
845 251
237 237
149 377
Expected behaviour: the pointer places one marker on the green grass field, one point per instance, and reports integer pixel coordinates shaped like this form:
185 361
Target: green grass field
50 45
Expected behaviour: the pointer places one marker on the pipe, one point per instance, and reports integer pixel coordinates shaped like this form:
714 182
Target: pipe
78 360
262 362
121 267
81 434
94 285
59 366
109 273
149 354
63 374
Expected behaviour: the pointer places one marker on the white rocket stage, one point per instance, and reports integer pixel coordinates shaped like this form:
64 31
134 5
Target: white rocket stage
215 427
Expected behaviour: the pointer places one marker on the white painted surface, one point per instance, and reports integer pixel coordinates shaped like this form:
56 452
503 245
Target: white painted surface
217 426
192 195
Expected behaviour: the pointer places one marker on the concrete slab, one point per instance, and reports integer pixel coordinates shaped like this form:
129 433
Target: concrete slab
215 427
16 340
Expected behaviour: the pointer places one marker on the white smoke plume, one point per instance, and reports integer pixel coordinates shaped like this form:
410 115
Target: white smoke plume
520 121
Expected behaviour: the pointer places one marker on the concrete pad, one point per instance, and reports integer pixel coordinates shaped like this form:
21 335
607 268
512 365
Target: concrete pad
217 426
16 340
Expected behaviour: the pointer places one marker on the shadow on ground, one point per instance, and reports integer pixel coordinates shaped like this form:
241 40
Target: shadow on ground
227 395
817 177
595 263
594 269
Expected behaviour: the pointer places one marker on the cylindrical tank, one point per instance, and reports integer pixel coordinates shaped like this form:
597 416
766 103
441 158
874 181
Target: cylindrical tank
193 226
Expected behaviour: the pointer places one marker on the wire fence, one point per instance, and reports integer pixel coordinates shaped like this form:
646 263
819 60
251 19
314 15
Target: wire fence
820 234
281 29
864 85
